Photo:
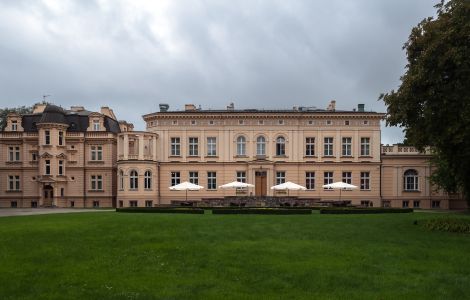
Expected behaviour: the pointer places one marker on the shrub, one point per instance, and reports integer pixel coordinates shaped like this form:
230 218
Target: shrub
262 211
166 210
448 224
352 210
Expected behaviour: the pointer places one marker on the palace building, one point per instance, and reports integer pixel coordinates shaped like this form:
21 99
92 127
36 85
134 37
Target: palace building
65 158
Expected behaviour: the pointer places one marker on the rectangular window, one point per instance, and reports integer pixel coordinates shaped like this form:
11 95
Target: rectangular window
47 164
241 176
175 178
34 157
148 203
34 204
211 146
328 146
436 204
346 146
310 180
310 146
96 204
193 146
416 204
14 153
72 203
211 180
62 192
14 125
96 153
194 177
96 125
280 177
365 146
13 204
347 177
14 182
61 167
327 178
61 138
97 182
406 204
175 143
365 181
133 203
47 137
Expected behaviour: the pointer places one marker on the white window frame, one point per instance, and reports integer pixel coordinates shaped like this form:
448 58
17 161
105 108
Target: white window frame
280 146
96 125
365 146
241 145
310 180
328 178
175 178
193 146
175 146
241 176
96 153
193 177
280 177
47 167
347 177
211 180
346 146
260 145
133 180
97 182
309 146
14 125
148 180
14 183
61 168
328 149
211 146
411 180
365 181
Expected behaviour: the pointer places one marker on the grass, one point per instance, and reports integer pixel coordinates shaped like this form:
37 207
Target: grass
158 256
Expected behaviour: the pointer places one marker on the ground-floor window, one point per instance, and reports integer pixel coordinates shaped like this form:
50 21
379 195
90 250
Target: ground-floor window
72 203
148 203
365 203
13 204
416 204
133 203
121 203
96 204
34 204
386 204
211 180
436 204
406 204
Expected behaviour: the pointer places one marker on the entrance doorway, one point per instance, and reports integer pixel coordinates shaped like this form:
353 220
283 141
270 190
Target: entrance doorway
48 195
260 183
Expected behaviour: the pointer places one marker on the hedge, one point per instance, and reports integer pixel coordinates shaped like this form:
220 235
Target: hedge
262 211
165 210
351 210
448 225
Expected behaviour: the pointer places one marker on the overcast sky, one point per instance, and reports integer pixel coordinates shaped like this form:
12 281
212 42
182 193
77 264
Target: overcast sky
132 55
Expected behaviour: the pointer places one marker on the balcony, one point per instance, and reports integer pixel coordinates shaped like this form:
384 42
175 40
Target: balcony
12 135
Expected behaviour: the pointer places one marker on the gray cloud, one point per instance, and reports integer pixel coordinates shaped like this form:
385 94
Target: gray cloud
132 55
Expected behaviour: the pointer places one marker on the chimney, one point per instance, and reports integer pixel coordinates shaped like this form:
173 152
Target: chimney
164 107
360 107
77 108
189 107
39 108
332 106
105 110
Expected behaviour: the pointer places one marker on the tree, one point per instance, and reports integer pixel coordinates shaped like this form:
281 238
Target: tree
19 110
432 102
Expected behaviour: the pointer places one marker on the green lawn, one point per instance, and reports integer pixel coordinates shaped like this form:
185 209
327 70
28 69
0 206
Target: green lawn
146 256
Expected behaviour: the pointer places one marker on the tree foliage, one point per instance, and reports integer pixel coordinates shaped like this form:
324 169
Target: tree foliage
432 102
19 110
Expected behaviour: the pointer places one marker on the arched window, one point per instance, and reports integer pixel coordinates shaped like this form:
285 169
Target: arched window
241 146
411 180
148 180
121 180
134 180
261 146
280 146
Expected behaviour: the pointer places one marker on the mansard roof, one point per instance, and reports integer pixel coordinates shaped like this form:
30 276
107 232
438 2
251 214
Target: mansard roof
76 121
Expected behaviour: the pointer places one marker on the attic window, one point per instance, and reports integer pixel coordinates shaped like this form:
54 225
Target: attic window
365 122
346 122
14 125
96 125
310 122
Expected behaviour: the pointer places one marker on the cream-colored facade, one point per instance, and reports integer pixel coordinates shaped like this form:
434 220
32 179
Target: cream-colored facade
77 158
308 146
59 158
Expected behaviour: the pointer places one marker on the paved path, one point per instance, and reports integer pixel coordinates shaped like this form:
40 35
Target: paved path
7 212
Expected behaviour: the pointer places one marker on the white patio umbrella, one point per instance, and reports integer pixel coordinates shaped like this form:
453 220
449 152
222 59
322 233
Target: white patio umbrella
235 185
340 186
288 186
186 186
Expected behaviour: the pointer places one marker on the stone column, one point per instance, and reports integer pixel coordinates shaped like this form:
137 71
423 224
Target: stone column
154 148
125 148
141 146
